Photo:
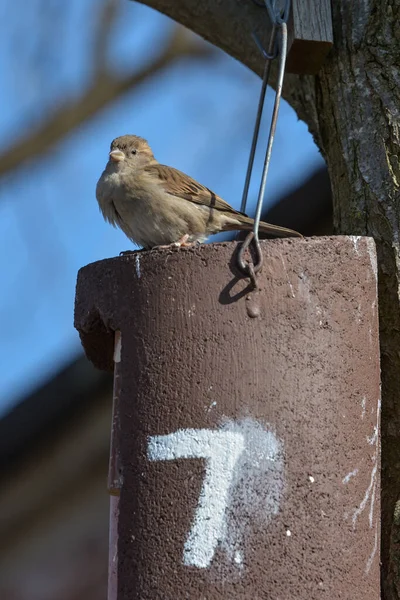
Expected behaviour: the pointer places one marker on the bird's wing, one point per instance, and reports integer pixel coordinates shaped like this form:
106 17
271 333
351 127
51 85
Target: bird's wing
181 185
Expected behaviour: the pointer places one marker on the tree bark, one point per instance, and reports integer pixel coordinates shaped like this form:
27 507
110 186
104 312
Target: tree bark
358 107
352 107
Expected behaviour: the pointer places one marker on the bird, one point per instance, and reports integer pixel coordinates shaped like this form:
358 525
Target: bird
157 206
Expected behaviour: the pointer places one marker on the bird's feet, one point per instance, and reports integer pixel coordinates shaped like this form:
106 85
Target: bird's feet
181 243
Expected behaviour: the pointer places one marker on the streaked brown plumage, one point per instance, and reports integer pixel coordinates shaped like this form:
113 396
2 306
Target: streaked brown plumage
156 205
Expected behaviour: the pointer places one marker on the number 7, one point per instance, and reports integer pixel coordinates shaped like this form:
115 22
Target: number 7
221 450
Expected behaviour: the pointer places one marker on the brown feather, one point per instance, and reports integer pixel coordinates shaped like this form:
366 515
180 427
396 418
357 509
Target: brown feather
181 185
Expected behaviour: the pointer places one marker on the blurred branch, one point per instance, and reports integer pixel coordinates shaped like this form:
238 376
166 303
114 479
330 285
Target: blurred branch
105 88
107 16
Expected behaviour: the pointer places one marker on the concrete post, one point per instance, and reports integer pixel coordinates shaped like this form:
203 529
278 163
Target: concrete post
247 429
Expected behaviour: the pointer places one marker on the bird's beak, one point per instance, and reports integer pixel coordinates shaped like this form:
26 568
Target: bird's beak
117 155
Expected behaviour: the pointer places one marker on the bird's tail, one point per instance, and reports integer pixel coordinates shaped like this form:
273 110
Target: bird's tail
244 223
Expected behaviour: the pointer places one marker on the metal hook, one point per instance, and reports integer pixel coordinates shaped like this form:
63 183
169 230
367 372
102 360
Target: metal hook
285 13
277 47
276 17
250 268
261 48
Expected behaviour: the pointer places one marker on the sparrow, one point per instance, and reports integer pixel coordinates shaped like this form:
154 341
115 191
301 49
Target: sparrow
159 206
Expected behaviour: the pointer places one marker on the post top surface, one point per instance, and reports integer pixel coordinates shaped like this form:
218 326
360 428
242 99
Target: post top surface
107 290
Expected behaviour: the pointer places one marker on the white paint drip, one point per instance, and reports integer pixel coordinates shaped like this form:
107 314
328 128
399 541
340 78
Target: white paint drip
349 476
221 449
212 405
371 439
372 256
137 265
363 406
311 479
372 555
117 347
370 493
359 313
303 291
372 505
367 494
242 488
370 249
288 533
355 239
287 276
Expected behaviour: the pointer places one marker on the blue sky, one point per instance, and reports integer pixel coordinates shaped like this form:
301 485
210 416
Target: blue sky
197 116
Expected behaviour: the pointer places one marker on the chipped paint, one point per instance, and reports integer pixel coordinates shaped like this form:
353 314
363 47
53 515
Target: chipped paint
349 476
137 265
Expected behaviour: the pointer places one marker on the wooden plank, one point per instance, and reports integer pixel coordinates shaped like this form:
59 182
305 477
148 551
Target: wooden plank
310 35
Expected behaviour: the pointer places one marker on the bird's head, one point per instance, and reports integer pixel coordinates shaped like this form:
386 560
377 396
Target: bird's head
130 150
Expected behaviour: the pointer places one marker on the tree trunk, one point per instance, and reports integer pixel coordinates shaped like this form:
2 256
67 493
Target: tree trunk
353 110
358 104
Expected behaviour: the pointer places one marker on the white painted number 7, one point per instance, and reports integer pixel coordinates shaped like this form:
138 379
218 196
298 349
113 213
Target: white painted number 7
221 450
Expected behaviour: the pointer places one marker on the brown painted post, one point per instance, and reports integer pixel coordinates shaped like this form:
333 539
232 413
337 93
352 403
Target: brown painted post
248 430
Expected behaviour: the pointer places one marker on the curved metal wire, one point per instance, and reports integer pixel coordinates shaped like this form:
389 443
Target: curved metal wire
275 113
277 47
248 268
274 15
268 56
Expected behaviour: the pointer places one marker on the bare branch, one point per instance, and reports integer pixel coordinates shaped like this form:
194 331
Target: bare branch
106 20
106 88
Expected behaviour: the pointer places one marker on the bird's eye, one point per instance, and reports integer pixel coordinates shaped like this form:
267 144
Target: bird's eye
133 151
